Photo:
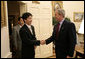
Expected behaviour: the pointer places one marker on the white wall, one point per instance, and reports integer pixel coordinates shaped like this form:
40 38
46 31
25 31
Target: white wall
5 47
73 6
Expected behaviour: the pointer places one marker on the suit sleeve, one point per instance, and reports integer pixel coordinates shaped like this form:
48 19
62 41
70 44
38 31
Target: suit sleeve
14 35
34 35
72 39
26 40
50 39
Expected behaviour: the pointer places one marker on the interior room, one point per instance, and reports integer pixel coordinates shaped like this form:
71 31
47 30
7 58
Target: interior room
43 21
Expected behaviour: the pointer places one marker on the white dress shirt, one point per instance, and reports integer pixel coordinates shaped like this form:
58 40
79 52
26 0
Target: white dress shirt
61 23
29 26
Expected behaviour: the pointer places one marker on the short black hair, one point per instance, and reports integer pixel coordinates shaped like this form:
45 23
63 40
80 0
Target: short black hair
19 18
26 15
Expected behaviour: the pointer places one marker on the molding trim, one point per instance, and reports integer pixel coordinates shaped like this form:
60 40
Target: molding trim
9 55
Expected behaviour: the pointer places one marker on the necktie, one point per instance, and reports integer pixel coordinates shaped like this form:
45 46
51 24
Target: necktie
57 30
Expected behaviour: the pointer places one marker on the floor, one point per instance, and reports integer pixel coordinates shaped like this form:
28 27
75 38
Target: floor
54 56
78 48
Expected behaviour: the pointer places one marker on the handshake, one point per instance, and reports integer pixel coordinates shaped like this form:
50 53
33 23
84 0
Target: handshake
42 42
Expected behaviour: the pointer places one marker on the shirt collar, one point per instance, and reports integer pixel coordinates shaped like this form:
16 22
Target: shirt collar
61 21
19 25
29 26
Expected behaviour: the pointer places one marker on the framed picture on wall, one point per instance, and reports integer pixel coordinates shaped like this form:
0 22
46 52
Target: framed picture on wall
78 16
56 5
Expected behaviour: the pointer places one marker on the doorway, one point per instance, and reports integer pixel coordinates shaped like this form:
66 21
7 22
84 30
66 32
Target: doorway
13 14
14 11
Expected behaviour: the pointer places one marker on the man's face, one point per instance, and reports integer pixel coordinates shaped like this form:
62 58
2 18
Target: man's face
28 20
57 16
21 22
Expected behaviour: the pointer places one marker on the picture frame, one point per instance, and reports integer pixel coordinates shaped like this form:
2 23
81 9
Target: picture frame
36 2
56 5
78 16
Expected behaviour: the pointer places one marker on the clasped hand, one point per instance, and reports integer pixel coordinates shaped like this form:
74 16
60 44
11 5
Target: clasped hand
42 42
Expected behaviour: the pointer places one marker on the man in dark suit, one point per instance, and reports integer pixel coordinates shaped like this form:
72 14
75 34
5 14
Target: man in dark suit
27 34
64 34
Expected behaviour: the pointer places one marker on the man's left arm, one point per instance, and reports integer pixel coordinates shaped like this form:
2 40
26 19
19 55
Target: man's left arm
72 39
33 29
34 35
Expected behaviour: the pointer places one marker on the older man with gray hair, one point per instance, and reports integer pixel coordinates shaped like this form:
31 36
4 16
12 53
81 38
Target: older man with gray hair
64 34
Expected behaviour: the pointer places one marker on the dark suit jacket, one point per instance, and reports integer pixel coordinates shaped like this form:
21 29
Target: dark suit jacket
66 39
28 42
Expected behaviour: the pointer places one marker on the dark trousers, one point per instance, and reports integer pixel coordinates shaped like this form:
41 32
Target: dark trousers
26 54
16 54
60 53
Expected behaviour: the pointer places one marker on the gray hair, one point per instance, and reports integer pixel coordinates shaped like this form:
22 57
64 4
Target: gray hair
61 12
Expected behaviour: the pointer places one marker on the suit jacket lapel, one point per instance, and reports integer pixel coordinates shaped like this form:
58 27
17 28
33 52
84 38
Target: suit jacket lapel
28 30
62 26
32 30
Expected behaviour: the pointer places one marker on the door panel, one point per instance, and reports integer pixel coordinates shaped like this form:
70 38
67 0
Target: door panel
23 8
42 21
